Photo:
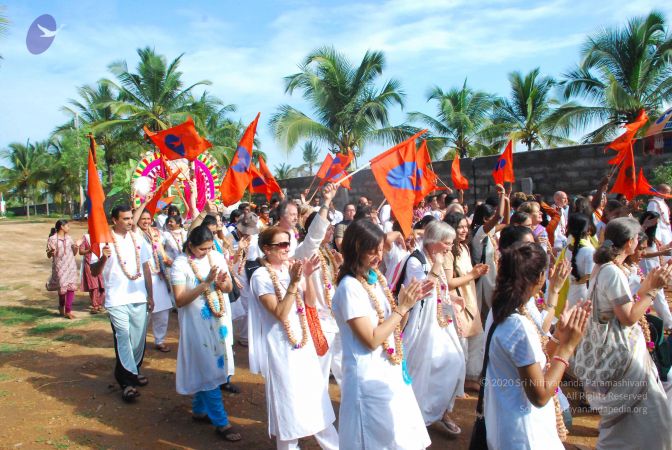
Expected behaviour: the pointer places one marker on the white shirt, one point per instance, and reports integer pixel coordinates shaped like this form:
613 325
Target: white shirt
119 290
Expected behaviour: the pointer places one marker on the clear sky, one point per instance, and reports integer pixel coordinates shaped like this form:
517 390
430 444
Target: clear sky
246 48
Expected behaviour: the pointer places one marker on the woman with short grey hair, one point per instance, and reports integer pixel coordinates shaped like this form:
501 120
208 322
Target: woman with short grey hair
435 359
620 378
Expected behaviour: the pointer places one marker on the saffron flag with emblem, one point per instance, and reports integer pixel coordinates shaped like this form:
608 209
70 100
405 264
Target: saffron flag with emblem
152 205
181 141
503 171
99 230
624 142
337 169
268 176
459 181
238 175
626 181
263 181
399 177
645 188
324 168
429 179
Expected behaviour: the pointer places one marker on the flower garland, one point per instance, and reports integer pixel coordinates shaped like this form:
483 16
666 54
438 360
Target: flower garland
300 310
643 323
323 255
209 295
559 422
178 243
242 256
441 289
122 263
396 354
152 238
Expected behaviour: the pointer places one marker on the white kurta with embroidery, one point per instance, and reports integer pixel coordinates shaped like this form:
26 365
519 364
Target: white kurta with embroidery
435 359
378 409
201 355
297 398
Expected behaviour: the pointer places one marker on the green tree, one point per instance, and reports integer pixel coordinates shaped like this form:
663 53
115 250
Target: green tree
154 96
349 109
526 116
462 121
4 23
311 155
622 71
284 171
23 177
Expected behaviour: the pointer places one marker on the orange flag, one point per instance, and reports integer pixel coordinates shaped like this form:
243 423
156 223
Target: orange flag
238 175
626 182
625 141
181 141
459 181
504 168
99 230
338 167
397 173
324 168
428 179
152 204
645 188
268 176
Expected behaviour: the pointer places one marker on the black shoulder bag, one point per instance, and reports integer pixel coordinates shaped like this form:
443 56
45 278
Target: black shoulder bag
478 433
417 254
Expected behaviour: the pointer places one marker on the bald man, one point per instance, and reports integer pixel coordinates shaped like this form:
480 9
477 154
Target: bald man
561 204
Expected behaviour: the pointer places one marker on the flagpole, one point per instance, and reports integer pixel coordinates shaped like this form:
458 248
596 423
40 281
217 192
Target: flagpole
381 204
365 166
438 177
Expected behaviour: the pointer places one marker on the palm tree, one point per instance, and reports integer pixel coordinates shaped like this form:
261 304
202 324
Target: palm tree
349 109
284 171
622 71
154 96
26 169
4 23
526 115
461 123
311 155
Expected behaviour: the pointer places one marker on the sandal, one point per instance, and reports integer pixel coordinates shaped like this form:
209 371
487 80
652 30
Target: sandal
229 433
231 388
143 380
129 394
449 427
162 348
201 418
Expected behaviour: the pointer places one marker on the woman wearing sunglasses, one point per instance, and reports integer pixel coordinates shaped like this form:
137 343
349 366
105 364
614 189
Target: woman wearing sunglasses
281 347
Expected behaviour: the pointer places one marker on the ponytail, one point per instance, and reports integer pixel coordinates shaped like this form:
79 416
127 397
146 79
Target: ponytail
57 227
578 226
617 234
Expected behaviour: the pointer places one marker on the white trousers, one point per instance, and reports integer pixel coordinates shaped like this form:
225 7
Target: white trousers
332 360
160 325
474 350
327 439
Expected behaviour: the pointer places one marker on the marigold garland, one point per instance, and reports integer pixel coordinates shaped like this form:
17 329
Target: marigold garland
395 355
122 263
209 295
153 239
441 290
323 254
300 310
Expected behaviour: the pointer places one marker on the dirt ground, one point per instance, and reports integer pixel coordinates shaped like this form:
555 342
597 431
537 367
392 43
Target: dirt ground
57 389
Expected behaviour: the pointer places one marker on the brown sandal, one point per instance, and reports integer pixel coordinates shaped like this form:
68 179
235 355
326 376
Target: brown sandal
162 348
229 433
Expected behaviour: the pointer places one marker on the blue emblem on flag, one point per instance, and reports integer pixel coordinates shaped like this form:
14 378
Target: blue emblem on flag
405 176
244 159
174 143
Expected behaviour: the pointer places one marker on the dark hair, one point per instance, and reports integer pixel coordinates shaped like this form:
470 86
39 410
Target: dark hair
512 234
450 198
517 199
617 233
518 218
198 236
360 237
177 219
363 212
583 206
481 213
173 209
422 223
309 220
267 235
651 231
492 200
578 226
234 215
431 198
57 227
119 209
610 207
520 267
243 205
209 220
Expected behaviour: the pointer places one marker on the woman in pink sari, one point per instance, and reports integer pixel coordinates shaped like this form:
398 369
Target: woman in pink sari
64 279
93 285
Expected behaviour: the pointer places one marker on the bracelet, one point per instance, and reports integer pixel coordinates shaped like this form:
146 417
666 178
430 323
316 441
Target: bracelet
435 274
562 360
293 293
400 314
549 306
554 339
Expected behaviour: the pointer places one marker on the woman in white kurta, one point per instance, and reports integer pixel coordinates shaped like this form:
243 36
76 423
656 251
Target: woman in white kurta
378 407
435 359
173 239
297 398
162 301
200 281
580 253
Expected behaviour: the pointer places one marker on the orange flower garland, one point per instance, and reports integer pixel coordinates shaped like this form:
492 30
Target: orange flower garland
209 296
325 276
300 310
153 239
395 355
122 263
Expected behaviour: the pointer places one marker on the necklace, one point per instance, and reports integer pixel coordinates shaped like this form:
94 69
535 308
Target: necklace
152 239
643 323
543 340
122 263
209 295
177 240
325 261
441 289
300 310
396 354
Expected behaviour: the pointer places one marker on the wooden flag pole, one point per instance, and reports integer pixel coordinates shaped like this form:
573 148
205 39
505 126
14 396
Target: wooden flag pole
351 174
381 204
438 177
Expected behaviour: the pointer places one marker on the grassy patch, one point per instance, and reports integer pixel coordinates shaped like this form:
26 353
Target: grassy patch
4 288
50 327
14 315
4 377
9 348
4 394
70 338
